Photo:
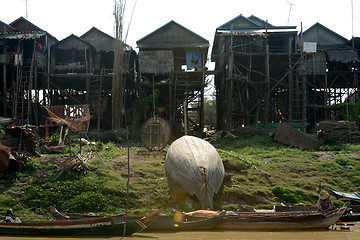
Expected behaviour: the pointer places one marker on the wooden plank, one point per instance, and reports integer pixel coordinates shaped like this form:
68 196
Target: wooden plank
296 138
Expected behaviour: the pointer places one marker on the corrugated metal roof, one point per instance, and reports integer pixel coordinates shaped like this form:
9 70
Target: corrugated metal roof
24 20
164 37
252 23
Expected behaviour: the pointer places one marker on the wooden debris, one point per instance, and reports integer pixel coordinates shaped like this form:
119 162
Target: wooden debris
77 163
21 138
210 133
234 167
228 134
341 131
296 138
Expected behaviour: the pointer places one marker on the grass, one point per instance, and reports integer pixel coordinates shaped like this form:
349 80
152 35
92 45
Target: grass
293 175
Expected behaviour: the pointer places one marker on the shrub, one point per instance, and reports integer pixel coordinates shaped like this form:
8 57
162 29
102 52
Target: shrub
342 161
285 194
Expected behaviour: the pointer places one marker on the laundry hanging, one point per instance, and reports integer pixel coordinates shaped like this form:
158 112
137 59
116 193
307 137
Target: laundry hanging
18 59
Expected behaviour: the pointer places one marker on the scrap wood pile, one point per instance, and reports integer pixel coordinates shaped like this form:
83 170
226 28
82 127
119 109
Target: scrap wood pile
21 138
341 131
75 163
210 133
17 145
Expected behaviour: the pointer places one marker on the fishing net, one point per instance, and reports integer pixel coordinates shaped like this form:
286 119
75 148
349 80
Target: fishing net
155 133
76 117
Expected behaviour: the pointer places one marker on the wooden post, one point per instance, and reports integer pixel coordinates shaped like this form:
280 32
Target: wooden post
31 77
229 85
247 94
5 86
36 118
267 82
170 108
87 96
326 95
303 73
291 96
202 92
185 108
315 86
304 103
13 84
117 92
46 91
100 104
185 115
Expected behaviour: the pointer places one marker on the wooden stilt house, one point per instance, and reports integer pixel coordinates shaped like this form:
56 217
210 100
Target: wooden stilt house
82 72
172 60
24 51
254 63
331 73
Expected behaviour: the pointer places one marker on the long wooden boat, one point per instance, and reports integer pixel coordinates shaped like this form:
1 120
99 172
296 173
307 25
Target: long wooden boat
168 223
164 223
105 225
353 198
280 221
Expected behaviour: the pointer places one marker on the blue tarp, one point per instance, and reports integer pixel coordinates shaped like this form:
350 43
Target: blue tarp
193 59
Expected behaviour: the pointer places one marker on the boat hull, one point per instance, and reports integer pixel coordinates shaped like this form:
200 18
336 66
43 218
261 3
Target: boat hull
279 221
167 223
107 225
353 199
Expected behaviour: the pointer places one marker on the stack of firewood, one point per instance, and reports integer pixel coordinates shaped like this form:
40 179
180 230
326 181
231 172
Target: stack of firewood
76 163
340 131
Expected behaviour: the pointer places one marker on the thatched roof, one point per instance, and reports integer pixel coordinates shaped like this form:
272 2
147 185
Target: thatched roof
344 56
197 167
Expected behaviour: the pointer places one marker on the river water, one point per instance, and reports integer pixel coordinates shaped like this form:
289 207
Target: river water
352 234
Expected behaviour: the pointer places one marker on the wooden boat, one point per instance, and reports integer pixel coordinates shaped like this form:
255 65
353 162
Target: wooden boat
275 221
104 225
168 223
353 198
196 166
164 223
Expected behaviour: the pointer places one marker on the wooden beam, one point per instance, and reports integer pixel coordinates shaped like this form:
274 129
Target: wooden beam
5 86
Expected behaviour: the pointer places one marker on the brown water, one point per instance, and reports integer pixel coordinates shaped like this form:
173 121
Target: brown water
352 234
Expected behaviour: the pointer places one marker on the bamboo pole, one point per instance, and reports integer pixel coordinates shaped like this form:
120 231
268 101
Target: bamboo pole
117 83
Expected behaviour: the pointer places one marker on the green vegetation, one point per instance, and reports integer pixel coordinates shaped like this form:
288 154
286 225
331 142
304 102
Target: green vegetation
349 111
275 173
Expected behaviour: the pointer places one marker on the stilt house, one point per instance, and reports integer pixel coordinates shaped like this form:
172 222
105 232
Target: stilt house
24 51
172 60
254 62
331 73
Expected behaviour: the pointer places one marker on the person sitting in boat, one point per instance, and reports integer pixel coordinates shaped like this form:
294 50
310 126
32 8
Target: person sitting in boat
324 203
10 218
